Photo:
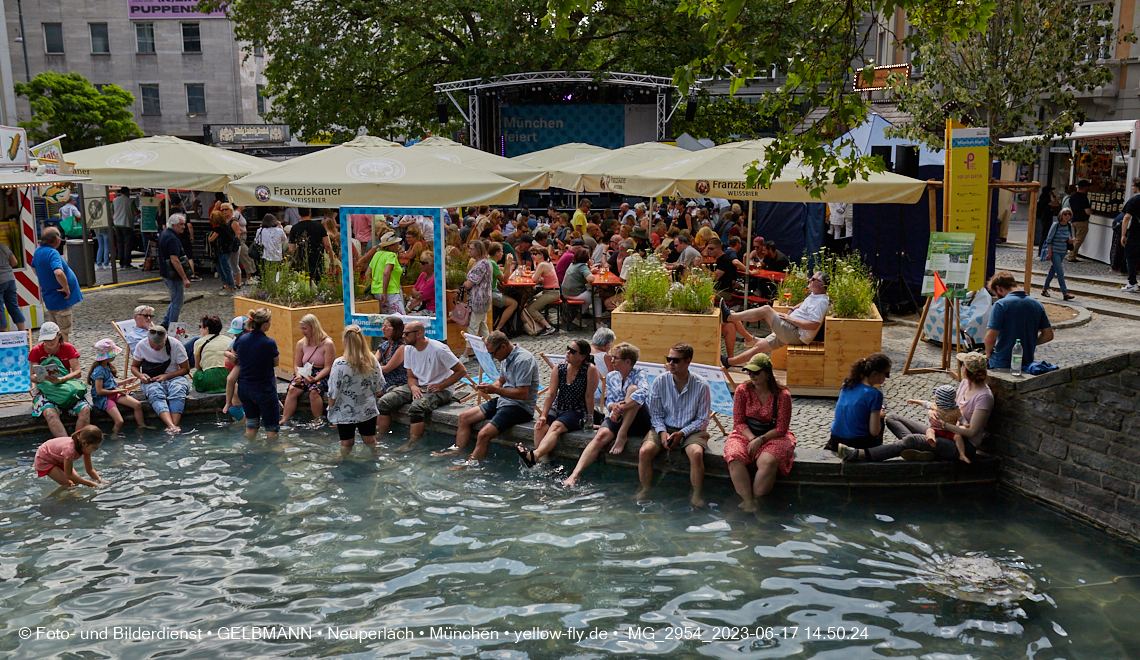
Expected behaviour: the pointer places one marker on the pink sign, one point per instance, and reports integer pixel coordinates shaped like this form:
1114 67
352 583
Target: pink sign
152 9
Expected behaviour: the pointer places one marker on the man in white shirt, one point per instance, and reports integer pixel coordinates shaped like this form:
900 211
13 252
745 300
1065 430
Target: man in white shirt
625 214
797 327
433 371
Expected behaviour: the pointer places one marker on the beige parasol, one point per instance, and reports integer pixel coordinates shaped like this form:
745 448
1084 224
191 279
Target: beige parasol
588 174
365 172
548 158
164 162
529 178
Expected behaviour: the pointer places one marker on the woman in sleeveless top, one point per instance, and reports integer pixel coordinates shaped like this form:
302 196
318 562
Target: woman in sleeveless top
569 401
550 294
391 353
318 351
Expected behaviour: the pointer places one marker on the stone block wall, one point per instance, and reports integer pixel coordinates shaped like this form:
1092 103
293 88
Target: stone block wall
1072 438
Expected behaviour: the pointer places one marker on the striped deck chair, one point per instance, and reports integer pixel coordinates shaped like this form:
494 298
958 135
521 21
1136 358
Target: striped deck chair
488 370
719 390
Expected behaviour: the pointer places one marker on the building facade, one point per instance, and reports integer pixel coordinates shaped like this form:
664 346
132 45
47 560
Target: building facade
184 68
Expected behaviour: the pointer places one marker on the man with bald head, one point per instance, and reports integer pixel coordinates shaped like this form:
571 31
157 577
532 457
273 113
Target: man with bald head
433 371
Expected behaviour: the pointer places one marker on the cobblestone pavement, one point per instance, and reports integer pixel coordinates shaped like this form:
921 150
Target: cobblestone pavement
1103 336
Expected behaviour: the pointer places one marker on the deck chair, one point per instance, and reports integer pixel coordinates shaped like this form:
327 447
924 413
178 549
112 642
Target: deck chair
553 361
719 392
488 371
177 331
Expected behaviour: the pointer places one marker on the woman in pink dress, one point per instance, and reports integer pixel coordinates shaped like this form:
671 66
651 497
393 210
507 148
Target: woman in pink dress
761 415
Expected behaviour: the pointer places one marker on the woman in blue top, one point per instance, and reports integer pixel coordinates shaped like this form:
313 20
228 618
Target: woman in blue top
257 357
1056 246
859 412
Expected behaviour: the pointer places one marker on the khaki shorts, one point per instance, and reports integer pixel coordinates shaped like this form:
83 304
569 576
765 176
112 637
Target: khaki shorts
699 438
784 333
62 318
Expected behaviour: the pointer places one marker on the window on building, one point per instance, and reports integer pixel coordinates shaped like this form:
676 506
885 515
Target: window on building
99 87
144 38
100 43
191 38
196 99
150 102
261 99
53 38
258 50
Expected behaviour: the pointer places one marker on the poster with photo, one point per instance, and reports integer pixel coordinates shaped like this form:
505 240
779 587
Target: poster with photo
951 255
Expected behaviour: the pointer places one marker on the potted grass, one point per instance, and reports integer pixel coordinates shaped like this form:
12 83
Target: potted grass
853 328
658 312
289 294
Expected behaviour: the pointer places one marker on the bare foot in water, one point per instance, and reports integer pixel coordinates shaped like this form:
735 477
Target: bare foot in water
450 451
696 500
408 446
570 481
748 505
641 495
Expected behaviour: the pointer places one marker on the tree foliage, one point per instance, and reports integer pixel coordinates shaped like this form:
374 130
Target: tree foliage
68 104
1031 55
816 46
722 119
337 66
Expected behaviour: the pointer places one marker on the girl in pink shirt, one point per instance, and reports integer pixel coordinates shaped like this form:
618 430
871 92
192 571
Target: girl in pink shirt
55 457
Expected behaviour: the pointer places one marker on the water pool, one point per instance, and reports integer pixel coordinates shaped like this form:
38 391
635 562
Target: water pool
208 546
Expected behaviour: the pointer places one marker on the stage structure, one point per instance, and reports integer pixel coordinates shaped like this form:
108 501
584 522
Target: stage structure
519 113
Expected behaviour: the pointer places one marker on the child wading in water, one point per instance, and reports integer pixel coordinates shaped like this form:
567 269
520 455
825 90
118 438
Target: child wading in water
108 395
55 457
945 406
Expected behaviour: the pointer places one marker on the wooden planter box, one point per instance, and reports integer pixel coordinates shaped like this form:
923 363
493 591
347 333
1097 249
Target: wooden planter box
285 327
849 340
655 333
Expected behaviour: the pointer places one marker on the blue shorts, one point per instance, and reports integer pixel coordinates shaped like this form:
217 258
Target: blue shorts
505 416
261 406
573 420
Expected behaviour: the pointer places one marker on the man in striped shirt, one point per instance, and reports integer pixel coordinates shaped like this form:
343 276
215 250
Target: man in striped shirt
679 410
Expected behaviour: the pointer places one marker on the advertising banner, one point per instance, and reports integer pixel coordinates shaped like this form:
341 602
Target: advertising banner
152 9
967 185
527 128
13 147
95 206
223 134
950 255
14 375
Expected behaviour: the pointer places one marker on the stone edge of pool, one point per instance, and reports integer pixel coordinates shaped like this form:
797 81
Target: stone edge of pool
813 467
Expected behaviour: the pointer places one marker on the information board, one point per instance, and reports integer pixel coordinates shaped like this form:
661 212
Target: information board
967 185
952 256
15 378
148 209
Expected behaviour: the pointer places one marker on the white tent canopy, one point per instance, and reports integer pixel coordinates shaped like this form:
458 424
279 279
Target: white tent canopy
1088 130
588 174
164 162
720 172
529 178
366 172
546 159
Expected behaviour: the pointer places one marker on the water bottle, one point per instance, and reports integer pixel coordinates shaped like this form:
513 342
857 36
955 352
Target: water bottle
1015 362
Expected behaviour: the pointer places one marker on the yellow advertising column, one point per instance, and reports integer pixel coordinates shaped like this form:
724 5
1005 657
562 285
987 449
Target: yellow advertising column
967 183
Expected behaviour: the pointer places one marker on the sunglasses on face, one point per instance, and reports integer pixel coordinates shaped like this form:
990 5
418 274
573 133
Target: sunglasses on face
673 360
410 332
149 316
573 351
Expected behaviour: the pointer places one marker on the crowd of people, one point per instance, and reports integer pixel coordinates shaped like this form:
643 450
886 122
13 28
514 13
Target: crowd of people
360 390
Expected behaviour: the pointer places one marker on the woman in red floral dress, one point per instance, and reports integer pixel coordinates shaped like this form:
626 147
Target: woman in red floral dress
761 415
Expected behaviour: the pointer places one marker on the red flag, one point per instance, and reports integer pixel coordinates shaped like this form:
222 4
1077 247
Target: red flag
939 286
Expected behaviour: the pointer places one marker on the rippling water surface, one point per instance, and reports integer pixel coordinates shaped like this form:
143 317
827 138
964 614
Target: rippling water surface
244 550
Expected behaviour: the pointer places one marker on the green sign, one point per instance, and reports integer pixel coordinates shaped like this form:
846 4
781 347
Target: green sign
950 255
148 208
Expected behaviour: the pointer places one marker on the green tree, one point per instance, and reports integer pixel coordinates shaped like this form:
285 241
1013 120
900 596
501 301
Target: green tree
336 66
1030 55
723 119
816 47
68 104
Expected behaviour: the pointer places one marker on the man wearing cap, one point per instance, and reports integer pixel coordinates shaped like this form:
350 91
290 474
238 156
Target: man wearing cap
1082 210
640 238
58 285
580 220
49 402
797 327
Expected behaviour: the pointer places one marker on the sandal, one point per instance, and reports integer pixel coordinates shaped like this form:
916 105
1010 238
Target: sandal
526 456
1045 293
1069 296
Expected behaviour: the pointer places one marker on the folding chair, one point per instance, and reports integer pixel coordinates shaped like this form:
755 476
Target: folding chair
121 327
720 390
488 372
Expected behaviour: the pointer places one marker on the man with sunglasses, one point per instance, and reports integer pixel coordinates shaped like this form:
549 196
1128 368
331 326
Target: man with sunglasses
144 315
516 394
797 327
680 404
433 370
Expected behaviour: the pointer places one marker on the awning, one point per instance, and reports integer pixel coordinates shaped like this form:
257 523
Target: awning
20 179
1087 131
164 161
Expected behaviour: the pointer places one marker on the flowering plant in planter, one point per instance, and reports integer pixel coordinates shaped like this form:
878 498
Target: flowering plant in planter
649 287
